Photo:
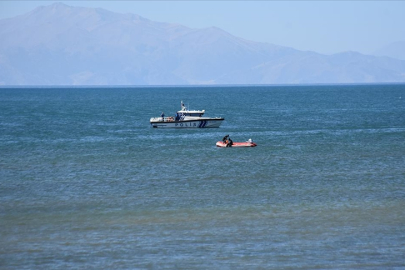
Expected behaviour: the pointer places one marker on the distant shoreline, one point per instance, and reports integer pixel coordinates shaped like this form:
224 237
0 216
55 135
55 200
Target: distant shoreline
193 86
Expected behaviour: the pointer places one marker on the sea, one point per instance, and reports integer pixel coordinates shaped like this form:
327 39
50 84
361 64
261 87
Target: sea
87 183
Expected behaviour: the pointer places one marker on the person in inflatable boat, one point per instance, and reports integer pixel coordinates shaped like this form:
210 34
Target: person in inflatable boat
227 140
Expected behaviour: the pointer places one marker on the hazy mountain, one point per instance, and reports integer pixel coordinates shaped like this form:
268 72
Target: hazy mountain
63 45
393 50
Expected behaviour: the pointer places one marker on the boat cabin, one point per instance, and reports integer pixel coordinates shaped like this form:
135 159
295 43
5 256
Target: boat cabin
191 113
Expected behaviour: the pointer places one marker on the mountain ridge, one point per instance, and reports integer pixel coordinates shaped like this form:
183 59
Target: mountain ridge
394 50
63 45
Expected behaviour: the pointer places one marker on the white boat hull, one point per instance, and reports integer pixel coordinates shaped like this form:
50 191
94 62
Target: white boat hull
201 123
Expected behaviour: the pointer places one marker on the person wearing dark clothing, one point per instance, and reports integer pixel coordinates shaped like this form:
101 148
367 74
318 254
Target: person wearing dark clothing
230 142
227 140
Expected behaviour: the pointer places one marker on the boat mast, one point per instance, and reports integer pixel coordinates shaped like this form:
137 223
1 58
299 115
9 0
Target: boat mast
183 108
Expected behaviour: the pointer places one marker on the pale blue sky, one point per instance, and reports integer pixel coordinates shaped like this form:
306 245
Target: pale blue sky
322 26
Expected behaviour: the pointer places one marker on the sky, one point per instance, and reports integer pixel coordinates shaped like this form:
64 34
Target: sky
325 27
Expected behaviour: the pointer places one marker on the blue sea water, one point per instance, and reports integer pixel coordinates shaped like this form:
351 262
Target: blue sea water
86 183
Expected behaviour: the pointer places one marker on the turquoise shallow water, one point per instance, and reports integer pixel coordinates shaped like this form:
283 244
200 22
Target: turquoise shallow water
86 183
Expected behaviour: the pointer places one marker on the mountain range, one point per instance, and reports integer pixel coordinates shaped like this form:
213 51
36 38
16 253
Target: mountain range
395 50
64 45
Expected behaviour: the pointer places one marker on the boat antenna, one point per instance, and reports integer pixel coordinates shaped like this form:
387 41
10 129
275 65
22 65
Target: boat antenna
183 108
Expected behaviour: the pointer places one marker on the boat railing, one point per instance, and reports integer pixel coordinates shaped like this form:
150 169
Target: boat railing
162 119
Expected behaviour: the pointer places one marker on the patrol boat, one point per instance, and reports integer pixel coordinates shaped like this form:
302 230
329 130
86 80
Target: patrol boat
186 119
